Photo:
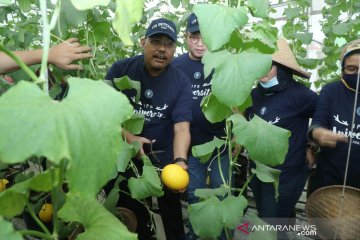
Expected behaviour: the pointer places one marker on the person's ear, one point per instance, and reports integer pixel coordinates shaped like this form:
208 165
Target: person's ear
142 41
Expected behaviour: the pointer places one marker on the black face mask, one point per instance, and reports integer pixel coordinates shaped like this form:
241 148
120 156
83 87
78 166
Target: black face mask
350 79
284 76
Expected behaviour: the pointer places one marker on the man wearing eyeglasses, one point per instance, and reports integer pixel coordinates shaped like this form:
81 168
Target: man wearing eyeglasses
165 102
201 129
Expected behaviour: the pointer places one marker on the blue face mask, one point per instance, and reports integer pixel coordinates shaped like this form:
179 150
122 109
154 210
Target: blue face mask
272 82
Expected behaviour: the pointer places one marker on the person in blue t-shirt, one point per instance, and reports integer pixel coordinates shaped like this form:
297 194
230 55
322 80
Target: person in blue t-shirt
165 102
202 130
281 101
333 127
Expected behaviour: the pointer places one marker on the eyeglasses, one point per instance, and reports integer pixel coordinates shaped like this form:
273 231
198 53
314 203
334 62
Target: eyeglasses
194 39
157 43
351 69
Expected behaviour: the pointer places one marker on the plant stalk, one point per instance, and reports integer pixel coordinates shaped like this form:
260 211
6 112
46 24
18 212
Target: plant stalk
35 234
46 47
54 194
246 183
36 219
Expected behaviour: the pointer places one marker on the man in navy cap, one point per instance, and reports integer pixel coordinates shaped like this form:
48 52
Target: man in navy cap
201 129
165 101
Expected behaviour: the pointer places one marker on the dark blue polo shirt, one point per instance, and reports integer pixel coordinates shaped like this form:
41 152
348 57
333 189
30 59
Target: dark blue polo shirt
289 109
334 112
202 130
164 101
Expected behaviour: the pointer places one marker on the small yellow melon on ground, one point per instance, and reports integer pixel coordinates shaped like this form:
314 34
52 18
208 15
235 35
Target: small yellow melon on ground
46 212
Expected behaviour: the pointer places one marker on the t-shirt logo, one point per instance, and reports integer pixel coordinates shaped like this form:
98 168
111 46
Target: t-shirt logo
197 75
358 111
149 93
262 110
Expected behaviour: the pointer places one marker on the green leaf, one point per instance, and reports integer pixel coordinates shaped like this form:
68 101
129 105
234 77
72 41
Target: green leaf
210 192
16 195
266 34
219 213
97 221
305 38
113 197
128 12
7 231
43 182
204 151
61 27
309 63
84 5
260 8
341 29
245 105
73 16
213 110
126 153
69 129
230 217
6 2
175 3
25 5
101 30
147 185
235 74
126 83
266 143
292 13
203 213
135 124
268 175
214 17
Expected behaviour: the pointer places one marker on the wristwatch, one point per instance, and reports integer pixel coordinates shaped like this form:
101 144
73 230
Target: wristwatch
315 148
180 159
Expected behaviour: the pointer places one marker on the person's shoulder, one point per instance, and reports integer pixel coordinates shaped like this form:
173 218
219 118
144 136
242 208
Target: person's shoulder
301 88
128 60
181 58
332 87
124 67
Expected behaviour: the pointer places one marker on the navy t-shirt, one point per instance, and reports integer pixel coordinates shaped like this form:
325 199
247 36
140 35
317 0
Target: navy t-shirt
164 100
202 130
334 112
289 109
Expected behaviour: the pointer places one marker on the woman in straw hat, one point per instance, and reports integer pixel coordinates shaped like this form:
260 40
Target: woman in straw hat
282 101
336 125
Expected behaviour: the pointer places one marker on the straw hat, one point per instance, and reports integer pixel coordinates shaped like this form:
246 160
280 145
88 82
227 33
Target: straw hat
286 57
323 210
349 48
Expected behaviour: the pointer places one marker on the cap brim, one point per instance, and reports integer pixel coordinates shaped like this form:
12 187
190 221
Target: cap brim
194 29
159 32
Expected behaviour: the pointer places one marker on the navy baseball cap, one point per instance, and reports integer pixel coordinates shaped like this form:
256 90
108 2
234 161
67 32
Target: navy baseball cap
162 26
192 24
